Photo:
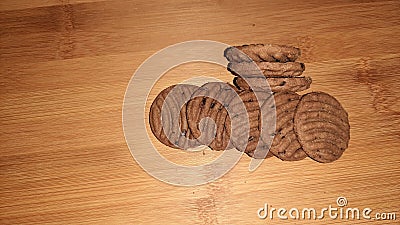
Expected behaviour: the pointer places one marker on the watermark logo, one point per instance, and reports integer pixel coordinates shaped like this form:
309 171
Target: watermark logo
341 201
335 212
134 122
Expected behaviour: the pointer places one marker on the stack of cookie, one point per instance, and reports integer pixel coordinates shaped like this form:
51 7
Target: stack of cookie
259 67
252 64
303 127
223 116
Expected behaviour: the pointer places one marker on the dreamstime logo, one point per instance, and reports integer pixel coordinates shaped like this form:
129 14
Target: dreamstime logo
134 123
340 212
341 201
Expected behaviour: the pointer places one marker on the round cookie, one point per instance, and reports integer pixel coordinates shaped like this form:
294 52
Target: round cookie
167 116
246 122
322 126
276 84
262 152
210 101
285 144
268 69
262 53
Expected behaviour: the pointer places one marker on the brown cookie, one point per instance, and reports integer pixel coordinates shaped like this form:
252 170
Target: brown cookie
246 122
322 126
262 53
262 151
276 84
268 69
167 116
209 101
285 144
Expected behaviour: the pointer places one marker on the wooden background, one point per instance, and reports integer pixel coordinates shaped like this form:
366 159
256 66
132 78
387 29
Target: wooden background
64 68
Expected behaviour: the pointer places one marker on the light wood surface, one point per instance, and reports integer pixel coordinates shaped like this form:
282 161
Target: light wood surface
64 68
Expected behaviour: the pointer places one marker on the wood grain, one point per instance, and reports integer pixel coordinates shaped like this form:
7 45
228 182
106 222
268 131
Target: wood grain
64 68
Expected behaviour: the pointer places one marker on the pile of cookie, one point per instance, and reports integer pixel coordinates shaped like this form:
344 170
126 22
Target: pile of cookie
224 116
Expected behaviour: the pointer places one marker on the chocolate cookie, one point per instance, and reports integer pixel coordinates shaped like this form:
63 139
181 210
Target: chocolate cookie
167 116
262 151
209 101
322 126
285 144
276 84
262 53
247 121
268 69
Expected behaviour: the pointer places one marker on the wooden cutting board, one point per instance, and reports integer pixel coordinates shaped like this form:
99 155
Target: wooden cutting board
64 69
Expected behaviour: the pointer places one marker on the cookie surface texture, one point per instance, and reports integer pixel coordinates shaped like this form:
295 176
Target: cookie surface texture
285 144
262 53
210 101
246 121
168 118
322 126
275 84
268 69
262 151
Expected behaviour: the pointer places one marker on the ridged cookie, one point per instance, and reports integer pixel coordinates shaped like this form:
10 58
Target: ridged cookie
210 101
275 84
262 53
322 126
285 144
268 69
167 116
247 121
261 152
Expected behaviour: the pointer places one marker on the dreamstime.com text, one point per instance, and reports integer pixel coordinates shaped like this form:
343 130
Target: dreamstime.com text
338 211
